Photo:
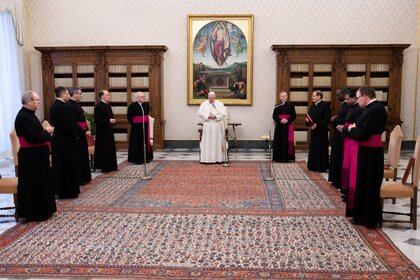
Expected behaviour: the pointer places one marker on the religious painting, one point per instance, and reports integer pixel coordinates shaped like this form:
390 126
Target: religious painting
220 53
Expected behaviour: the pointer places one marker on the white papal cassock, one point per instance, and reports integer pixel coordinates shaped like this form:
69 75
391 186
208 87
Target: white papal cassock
213 144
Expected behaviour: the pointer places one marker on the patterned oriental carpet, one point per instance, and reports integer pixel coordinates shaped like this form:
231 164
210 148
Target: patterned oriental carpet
203 221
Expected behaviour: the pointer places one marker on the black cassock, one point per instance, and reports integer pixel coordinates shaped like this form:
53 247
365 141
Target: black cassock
137 138
283 142
105 152
370 164
35 197
78 116
336 158
64 151
318 147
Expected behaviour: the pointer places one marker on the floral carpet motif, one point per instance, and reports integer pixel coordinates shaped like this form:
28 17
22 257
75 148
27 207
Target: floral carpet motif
203 221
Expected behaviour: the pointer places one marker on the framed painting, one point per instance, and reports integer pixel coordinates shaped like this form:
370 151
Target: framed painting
220 54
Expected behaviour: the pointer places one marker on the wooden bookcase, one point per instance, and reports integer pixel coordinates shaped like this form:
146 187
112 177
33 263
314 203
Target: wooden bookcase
302 69
123 70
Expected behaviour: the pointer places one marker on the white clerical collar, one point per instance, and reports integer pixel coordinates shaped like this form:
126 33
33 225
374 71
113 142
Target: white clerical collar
373 100
104 101
316 103
141 104
61 99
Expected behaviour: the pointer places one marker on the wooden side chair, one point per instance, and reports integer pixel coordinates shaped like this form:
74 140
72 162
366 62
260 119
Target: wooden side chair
394 151
91 147
9 185
404 189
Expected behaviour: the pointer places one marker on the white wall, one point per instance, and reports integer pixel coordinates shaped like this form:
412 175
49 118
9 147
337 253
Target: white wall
143 22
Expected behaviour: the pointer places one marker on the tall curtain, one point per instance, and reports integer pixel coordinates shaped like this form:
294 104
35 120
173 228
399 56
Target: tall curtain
10 83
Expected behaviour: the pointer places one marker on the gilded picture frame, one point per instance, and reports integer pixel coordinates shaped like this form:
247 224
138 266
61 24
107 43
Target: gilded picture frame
220 58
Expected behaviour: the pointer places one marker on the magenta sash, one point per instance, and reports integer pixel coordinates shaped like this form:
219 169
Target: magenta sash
25 144
83 125
373 142
144 119
291 136
350 157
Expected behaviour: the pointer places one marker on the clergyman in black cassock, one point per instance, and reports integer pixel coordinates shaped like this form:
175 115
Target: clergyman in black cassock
138 116
35 197
370 162
105 151
64 148
284 115
318 119
78 116
336 158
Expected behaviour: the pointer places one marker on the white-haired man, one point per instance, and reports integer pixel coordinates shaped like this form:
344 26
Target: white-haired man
213 144
138 116
35 198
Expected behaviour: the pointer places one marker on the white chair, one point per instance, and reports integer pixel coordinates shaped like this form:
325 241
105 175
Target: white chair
151 127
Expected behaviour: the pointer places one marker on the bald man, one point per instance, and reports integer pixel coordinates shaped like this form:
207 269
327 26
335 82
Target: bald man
138 116
213 145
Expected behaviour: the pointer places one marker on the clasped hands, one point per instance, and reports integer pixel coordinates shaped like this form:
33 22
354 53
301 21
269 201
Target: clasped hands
212 117
340 127
112 121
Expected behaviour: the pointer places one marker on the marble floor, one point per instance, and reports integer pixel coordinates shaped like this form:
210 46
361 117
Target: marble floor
406 239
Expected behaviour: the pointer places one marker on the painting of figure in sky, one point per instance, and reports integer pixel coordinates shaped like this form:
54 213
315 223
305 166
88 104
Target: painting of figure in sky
220 62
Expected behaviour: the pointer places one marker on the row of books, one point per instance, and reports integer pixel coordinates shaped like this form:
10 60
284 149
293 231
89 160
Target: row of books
64 82
119 110
302 96
379 82
379 68
86 82
298 82
356 67
322 67
299 67
85 68
140 82
88 97
88 109
120 137
63 69
381 95
117 82
356 81
322 81
139 68
117 68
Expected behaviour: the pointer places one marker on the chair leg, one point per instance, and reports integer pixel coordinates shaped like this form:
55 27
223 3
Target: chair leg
414 212
381 222
15 202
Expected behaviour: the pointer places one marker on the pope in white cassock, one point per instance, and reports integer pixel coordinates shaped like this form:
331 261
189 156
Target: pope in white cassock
213 143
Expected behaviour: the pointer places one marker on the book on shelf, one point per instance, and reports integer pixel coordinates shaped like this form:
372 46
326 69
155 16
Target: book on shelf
120 137
379 82
86 82
138 68
322 67
85 68
309 119
299 68
113 68
119 110
140 82
299 82
356 67
118 97
117 82
323 81
88 97
301 109
64 82
298 96
356 81
63 69
88 109
379 68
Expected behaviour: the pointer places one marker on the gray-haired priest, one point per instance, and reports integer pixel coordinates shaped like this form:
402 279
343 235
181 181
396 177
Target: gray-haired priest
213 143
36 199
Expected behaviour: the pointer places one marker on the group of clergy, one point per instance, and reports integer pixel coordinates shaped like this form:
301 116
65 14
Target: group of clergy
356 164
65 139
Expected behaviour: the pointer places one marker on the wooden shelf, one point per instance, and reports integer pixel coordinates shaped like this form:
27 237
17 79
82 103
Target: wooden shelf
98 59
373 61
